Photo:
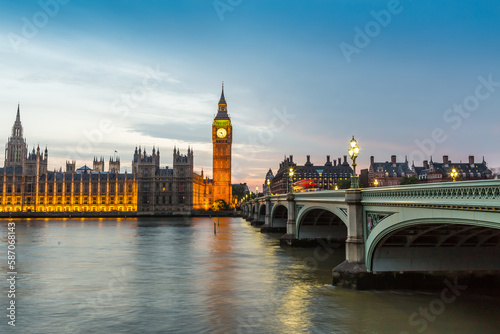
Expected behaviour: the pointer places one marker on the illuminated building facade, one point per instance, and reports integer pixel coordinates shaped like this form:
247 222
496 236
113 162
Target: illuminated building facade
222 140
26 185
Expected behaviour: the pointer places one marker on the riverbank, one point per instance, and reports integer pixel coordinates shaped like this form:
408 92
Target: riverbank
117 214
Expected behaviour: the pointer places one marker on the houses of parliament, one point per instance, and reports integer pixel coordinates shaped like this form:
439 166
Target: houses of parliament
27 185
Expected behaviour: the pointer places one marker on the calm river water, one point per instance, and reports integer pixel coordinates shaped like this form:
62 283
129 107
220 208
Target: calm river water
176 276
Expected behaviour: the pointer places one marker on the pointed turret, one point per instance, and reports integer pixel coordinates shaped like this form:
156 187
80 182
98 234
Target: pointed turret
18 116
17 128
222 110
222 98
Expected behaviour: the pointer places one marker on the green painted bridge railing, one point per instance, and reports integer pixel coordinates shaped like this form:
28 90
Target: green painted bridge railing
470 195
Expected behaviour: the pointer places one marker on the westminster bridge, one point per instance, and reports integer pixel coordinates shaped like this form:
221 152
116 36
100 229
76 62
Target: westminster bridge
426 228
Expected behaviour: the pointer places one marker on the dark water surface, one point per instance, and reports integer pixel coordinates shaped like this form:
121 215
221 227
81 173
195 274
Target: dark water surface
175 276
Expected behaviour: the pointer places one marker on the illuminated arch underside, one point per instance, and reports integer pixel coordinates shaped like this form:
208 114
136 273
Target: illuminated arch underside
438 247
318 223
280 216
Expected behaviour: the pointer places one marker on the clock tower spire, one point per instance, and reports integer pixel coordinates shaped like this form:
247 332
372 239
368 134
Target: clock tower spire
222 140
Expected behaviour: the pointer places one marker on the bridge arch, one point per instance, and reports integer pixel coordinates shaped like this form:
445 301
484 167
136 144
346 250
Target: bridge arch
434 244
255 207
316 222
279 215
261 217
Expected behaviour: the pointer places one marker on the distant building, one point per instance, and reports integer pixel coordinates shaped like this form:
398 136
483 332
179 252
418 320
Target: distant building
437 172
326 175
269 176
363 178
243 186
388 173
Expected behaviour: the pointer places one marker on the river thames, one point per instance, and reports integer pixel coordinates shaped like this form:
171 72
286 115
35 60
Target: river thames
175 275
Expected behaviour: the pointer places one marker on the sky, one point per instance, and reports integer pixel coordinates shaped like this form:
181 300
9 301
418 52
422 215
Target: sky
415 79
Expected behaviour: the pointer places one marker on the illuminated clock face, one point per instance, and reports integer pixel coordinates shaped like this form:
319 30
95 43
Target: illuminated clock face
221 132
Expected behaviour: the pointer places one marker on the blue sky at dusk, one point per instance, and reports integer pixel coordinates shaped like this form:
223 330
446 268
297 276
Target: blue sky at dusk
415 78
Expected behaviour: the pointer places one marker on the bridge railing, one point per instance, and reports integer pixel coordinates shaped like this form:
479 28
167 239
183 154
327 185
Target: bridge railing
322 196
484 194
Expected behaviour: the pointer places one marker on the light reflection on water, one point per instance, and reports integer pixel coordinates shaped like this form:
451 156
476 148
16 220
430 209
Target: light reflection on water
176 276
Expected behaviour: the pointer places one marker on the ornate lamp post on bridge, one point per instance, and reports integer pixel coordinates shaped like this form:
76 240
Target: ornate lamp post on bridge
268 182
353 153
454 174
290 174
375 183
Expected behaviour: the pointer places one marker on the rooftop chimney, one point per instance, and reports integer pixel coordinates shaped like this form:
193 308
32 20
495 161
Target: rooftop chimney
327 158
471 160
445 160
426 164
308 158
393 159
372 160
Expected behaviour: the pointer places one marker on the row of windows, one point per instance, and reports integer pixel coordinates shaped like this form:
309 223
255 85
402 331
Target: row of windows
68 200
31 187
163 187
163 199
68 209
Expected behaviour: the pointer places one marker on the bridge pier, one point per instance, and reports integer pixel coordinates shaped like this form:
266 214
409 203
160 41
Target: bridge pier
267 227
355 244
253 213
249 215
257 221
290 238
244 211
352 272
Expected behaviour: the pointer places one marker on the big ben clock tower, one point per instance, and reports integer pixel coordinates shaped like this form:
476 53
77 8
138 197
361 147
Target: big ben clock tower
222 139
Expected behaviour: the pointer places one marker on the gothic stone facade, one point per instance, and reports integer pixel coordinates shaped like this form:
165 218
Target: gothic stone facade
26 184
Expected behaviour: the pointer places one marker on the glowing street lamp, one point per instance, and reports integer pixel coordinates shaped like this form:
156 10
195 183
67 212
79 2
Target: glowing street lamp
353 153
336 187
268 186
454 174
375 183
290 174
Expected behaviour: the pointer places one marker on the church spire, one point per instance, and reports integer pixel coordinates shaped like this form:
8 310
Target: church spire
18 116
222 98
222 110
17 128
17 150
